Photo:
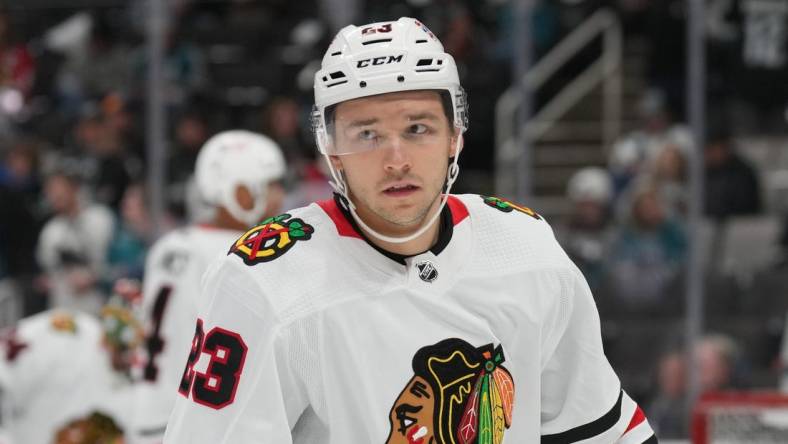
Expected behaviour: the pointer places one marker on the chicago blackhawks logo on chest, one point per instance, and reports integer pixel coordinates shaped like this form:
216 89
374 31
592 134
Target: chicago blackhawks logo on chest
459 394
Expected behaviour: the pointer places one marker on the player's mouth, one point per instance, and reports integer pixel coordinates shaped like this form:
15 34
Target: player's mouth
400 190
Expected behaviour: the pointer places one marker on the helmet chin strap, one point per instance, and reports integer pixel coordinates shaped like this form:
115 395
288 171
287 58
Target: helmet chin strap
340 186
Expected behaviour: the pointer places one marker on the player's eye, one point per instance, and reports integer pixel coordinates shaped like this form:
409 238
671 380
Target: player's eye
418 128
367 135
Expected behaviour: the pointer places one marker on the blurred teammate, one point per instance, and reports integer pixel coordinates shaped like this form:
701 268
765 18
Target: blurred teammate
54 368
237 175
96 428
398 312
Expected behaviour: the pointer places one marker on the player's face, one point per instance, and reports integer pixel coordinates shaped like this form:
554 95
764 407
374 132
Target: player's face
402 143
411 417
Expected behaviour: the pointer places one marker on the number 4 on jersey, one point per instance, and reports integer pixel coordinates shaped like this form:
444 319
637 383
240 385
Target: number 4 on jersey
215 387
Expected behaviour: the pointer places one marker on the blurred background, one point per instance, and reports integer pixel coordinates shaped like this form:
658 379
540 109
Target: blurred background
578 109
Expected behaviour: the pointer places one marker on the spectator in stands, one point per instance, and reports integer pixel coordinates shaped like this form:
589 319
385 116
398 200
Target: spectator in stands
667 40
588 234
191 131
667 412
732 186
19 170
133 235
281 121
17 73
633 153
19 221
668 171
109 168
72 247
717 356
759 66
20 186
100 68
305 178
649 251
185 70
17 66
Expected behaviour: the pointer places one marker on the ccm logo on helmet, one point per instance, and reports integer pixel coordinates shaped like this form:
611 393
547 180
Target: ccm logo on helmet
383 60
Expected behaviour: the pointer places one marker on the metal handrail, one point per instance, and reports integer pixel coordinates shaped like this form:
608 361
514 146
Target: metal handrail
603 70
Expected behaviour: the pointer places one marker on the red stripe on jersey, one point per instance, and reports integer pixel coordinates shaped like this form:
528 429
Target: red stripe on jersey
458 210
343 226
637 419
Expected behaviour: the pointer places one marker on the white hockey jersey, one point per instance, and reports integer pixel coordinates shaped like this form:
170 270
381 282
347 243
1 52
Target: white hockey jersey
171 290
312 335
53 370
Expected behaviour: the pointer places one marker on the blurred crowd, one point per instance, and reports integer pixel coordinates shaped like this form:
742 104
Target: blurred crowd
628 227
75 214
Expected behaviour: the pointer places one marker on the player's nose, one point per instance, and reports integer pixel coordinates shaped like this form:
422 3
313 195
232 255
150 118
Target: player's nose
397 157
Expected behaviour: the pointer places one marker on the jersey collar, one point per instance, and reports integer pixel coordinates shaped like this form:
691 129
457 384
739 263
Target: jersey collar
452 214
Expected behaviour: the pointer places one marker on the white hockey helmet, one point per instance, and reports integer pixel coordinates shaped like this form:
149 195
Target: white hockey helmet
382 58
233 158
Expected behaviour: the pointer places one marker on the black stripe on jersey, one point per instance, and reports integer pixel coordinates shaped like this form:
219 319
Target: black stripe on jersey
652 440
589 430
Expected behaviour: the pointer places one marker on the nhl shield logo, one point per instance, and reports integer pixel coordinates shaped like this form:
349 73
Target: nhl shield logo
427 271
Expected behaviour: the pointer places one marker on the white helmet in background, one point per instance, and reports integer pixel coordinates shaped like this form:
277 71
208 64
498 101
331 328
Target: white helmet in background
233 158
591 184
381 58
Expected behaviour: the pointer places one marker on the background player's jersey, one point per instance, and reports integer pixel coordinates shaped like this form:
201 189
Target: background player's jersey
53 369
310 334
171 291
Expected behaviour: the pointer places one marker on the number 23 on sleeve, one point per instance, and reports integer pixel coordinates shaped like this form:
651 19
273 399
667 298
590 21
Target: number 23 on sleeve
216 387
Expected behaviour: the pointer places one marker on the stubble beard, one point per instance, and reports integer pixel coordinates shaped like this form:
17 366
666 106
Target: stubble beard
413 219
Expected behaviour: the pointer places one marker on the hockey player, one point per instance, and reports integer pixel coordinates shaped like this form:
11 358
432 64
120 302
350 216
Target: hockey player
237 175
54 368
398 312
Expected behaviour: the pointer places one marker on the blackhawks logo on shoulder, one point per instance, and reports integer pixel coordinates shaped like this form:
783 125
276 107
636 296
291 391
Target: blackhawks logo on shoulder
507 206
271 239
63 322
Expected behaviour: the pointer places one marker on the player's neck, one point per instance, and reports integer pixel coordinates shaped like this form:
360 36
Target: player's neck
412 247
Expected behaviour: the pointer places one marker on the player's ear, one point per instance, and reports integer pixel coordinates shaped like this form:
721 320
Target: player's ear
456 143
336 163
244 197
